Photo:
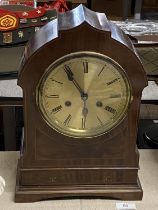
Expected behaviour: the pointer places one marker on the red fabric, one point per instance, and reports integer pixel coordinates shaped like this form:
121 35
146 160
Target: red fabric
59 5
6 12
35 13
8 20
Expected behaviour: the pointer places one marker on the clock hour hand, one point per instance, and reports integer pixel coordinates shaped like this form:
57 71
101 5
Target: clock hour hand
71 78
84 111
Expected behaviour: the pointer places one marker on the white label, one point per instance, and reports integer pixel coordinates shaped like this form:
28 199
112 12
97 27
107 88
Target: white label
2 185
124 206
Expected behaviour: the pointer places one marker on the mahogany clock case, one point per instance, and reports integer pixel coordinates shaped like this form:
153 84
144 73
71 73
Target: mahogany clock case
53 165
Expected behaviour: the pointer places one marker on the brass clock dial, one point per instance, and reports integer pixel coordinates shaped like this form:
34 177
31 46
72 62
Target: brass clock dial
83 94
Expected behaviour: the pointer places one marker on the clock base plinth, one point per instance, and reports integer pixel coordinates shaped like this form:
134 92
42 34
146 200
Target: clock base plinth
39 193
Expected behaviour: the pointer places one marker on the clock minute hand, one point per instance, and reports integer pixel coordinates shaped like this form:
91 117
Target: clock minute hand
71 78
69 73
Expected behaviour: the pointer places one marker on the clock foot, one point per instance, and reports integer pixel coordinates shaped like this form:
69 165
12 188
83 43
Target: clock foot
38 193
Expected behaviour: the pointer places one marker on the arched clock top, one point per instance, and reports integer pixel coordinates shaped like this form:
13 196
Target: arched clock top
75 31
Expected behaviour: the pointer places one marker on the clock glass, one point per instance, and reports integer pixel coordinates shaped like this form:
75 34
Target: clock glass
83 94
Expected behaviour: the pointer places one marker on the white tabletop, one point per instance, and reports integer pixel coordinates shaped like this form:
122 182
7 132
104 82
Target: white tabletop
9 88
148 174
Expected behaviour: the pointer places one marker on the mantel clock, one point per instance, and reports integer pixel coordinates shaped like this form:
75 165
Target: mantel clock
82 82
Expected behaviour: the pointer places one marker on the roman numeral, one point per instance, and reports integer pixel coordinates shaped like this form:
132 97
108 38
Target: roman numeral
101 123
56 109
113 81
56 81
101 70
85 67
110 109
53 96
67 68
115 95
67 120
